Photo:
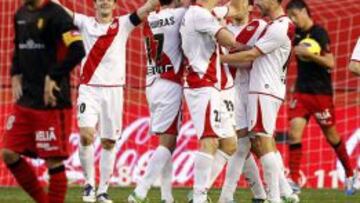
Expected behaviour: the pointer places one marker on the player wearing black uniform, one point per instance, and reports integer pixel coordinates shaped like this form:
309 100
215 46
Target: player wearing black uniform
47 48
313 92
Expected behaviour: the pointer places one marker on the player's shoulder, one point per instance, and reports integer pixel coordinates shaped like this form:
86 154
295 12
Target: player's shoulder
20 10
318 30
55 8
282 21
57 12
199 11
257 24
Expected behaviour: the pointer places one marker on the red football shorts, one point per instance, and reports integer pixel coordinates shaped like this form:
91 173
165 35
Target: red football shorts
38 133
320 106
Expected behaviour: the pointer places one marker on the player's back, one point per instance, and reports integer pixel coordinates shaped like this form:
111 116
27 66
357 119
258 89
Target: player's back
268 74
105 43
198 31
163 44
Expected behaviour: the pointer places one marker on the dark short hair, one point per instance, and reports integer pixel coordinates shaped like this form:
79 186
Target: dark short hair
298 4
251 2
165 2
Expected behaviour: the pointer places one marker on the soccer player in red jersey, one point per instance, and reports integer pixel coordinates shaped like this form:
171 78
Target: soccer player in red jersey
313 92
47 48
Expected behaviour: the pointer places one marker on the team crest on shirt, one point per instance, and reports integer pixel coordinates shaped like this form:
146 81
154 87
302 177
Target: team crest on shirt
40 23
250 28
113 25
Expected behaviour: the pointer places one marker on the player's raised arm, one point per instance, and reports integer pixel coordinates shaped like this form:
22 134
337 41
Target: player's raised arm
70 12
148 7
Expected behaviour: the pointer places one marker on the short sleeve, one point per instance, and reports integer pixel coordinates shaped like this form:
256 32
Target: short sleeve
274 37
356 53
127 24
206 23
323 39
64 29
79 20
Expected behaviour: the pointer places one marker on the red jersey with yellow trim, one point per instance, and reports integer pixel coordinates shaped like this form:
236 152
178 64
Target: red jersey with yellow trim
268 73
198 33
163 45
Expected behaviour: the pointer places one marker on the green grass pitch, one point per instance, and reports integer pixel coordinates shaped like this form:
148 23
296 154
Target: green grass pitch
16 195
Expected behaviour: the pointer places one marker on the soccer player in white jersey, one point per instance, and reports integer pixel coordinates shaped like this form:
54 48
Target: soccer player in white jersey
201 33
164 94
100 101
270 58
245 33
354 65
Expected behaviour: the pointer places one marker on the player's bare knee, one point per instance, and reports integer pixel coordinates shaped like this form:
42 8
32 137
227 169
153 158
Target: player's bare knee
209 145
87 136
264 145
168 141
228 145
108 144
9 156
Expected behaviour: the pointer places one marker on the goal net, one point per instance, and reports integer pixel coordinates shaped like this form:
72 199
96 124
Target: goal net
320 167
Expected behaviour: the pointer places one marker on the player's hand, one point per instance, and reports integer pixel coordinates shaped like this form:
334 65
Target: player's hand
302 51
16 87
50 87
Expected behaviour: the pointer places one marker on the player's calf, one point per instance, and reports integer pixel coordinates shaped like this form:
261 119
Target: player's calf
24 175
57 182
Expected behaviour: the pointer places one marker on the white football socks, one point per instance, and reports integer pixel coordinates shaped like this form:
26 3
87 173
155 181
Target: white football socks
220 159
271 176
86 155
252 175
107 161
234 169
285 188
202 171
166 185
156 164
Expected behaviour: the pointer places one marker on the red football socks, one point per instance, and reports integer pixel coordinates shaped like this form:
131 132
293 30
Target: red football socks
295 155
27 179
341 153
57 185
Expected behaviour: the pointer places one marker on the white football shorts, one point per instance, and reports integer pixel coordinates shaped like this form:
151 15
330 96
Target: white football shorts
164 99
207 112
101 108
262 113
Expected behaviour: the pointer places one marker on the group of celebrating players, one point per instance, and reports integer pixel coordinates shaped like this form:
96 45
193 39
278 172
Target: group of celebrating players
230 68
